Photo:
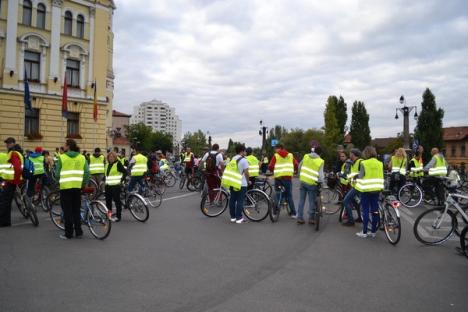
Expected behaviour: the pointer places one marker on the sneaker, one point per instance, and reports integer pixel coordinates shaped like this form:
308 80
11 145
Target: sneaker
109 214
373 235
62 236
347 224
293 216
311 221
300 221
233 220
361 234
241 221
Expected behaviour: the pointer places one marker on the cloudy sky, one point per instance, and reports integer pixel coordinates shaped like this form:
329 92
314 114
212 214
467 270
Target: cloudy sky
225 65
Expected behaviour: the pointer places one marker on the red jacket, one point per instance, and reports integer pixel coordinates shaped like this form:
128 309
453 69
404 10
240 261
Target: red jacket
282 153
15 160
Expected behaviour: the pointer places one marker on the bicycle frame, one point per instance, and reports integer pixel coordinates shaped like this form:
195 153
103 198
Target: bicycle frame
450 201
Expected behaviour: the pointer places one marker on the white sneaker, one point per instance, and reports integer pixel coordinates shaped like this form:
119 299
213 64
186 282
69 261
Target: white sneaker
233 220
361 234
294 216
241 221
373 235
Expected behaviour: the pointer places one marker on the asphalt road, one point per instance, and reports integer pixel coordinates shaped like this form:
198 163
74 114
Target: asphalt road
181 260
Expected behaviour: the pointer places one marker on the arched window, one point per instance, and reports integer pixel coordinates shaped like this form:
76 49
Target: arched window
41 15
67 29
80 26
27 12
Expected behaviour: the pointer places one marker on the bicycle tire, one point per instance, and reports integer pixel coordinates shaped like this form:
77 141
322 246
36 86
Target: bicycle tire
92 184
392 224
419 233
55 210
460 222
318 212
18 198
193 184
218 206
410 195
45 191
32 215
138 207
97 215
258 210
182 182
153 197
330 198
275 212
464 241
170 180
267 188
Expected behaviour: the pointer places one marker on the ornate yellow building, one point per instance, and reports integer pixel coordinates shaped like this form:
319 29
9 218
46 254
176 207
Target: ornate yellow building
48 40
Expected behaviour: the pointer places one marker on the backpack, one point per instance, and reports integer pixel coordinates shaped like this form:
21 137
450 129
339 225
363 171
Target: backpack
210 163
28 169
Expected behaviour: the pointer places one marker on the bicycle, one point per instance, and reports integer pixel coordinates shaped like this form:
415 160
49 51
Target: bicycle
438 224
150 191
41 191
390 216
94 214
256 204
332 195
356 210
264 185
464 241
23 202
280 204
318 207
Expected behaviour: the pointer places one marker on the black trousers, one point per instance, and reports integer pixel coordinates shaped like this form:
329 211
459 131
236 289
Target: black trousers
6 197
113 194
71 206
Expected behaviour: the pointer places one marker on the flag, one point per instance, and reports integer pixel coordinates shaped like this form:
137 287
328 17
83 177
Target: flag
27 94
95 108
65 99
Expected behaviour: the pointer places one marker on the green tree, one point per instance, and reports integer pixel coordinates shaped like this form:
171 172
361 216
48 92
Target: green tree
231 150
276 133
429 128
341 116
359 130
196 141
162 141
332 129
143 137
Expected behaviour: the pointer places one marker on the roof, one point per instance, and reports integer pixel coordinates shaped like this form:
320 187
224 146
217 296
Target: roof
382 142
455 133
120 141
119 114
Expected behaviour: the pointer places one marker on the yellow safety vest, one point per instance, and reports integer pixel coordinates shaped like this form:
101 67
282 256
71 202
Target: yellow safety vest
165 165
140 166
4 165
38 164
310 169
71 171
354 171
284 167
398 165
9 172
96 164
343 180
115 176
373 179
265 160
231 176
188 157
254 169
440 167
417 170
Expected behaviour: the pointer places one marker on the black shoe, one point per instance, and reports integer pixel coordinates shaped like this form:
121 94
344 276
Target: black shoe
348 224
79 236
358 220
63 236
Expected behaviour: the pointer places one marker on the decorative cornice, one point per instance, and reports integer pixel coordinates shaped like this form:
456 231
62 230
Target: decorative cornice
57 3
92 11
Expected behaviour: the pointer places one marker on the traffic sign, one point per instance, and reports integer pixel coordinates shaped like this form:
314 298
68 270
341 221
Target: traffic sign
274 142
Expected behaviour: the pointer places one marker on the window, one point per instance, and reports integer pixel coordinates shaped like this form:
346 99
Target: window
32 65
73 73
463 151
80 26
31 122
67 27
27 12
73 124
41 16
454 150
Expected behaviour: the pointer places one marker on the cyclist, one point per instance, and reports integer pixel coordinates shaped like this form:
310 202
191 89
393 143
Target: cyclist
310 175
38 160
73 171
254 166
264 164
283 165
436 168
355 157
96 165
236 178
397 167
163 162
416 167
189 161
370 182
213 163
115 173
345 169
138 166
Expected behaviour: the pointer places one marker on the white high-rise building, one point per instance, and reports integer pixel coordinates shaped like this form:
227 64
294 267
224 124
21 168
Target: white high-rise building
159 116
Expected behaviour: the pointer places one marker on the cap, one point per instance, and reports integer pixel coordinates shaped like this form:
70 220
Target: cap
10 140
38 149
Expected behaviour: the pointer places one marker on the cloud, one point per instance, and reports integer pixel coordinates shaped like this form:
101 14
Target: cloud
225 65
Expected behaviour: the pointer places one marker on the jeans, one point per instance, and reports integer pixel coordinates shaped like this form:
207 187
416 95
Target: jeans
236 203
370 203
348 204
71 206
134 181
288 194
311 192
6 197
113 194
32 184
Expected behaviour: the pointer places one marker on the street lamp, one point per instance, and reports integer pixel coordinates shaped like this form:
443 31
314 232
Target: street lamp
406 110
263 132
209 139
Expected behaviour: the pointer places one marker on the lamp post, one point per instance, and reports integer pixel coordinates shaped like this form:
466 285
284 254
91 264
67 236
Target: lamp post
263 132
406 110
209 139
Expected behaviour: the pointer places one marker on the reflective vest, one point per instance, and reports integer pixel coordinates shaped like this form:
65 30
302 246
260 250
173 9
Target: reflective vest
165 165
9 172
71 171
96 164
343 180
417 170
284 167
4 165
140 166
310 169
122 160
254 170
265 160
440 167
38 162
373 179
188 157
231 176
354 171
56 156
398 165
115 176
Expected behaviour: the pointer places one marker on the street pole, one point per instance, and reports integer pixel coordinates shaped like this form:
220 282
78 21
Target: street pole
406 110
209 141
263 132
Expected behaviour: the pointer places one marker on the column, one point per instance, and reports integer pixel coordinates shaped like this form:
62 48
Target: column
10 48
55 40
92 14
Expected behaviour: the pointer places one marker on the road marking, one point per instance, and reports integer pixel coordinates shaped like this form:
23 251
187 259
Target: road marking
179 196
408 212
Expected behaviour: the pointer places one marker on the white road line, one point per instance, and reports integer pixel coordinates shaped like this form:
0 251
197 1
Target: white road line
179 196
407 211
407 218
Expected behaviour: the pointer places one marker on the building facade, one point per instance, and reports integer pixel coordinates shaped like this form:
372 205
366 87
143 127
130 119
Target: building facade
159 116
456 144
50 42
119 122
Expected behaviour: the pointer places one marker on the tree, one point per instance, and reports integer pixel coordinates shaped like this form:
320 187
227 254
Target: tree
429 128
144 139
341 116
359 130
231 150
196 141
276 133
162 141
332 129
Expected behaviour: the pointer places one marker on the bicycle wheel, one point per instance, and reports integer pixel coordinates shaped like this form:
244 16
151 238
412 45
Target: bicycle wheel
92 184
267 188
98 222
275 211
216 206
410 195
392 225
464 241
18 197
318 212
31 210
45 191
330 198
434 226
182 181
138 207
460 222
55 209
159 185
193 184
153 196
256 205
170 180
